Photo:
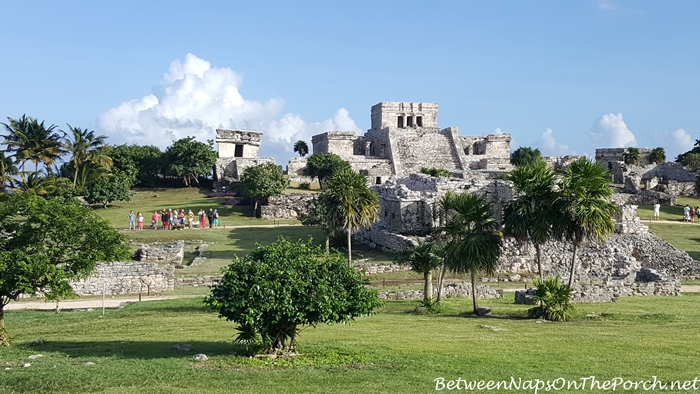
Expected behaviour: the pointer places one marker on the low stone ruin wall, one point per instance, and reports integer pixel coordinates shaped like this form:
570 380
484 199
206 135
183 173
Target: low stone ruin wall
194 281
165 254
452 290
647 283
286 206
126 278
373 269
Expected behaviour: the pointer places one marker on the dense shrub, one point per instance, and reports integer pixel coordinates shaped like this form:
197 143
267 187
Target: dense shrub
554 299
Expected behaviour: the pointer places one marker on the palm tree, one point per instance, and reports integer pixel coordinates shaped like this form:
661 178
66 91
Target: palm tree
301 148
86 147
423 259
350 203
473 243
529 217
582 209
7 170
31 140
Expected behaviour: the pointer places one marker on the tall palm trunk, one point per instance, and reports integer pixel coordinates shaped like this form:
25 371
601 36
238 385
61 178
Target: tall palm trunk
349 247
428 288
441 280
328 243
539 260
573 265
474 291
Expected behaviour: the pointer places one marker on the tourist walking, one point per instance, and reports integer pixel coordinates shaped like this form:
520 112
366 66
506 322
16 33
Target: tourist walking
190 218
132 220
210 216
686 213
657 210
139 219
216 219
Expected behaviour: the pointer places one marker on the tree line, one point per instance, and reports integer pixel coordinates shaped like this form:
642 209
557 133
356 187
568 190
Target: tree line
47 160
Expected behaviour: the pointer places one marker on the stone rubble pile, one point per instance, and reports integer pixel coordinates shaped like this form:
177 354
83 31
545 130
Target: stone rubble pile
286 206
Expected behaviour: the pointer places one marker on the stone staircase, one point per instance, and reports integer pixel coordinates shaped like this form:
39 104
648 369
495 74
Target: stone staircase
417 148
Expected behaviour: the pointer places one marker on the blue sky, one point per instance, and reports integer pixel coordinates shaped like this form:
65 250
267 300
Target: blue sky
564 76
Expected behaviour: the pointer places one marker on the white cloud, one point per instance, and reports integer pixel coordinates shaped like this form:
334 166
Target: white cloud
678 141
194 99
610 131
550 147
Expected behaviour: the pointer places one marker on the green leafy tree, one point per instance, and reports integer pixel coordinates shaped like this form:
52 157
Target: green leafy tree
301 148
584 214
279 288
424 259
323 165
86 148
657 155
554 298
530 217
350 203
632 156
45 243
690 159
525 156
107 189
30 140
141 163
472 240
262 181
189 159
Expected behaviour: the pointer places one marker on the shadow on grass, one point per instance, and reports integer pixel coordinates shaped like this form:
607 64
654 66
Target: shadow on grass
136 349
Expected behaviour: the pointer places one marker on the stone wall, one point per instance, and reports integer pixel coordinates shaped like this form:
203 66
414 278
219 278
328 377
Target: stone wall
126 278
296 170
452 290
229 169
286 206
646 282
165 254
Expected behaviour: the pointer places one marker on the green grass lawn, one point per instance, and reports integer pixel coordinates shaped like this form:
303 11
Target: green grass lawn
684 236
646 212
394 351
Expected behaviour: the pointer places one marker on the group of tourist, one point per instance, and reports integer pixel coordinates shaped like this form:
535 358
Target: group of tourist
689 214
172 219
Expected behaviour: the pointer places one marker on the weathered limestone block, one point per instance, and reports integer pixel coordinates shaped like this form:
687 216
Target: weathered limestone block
165 254
286 206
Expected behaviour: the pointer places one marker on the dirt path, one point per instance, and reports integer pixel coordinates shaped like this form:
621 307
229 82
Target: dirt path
93 303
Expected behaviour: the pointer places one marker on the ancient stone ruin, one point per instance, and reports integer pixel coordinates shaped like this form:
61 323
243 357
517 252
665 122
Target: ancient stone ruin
126 278
238 150
405 137
164 254
647 183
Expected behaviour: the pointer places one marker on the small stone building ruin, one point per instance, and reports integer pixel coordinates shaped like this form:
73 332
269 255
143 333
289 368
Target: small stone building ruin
238 150
404 137
647 183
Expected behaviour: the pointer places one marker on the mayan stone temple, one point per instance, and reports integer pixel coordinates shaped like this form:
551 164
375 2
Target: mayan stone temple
238 150
404 138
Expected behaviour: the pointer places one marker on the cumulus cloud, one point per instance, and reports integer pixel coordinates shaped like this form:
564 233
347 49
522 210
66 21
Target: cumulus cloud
550 147
678 142
194 99
610 131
